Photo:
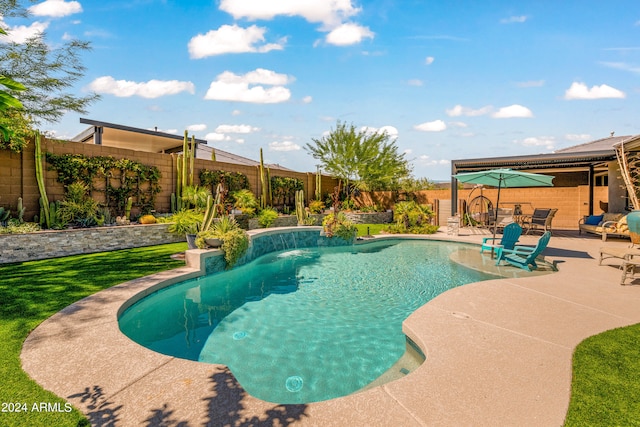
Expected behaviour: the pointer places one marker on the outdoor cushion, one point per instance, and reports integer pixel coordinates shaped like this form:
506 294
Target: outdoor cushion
621 225
593 220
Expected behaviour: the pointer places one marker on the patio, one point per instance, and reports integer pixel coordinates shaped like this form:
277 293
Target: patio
498 353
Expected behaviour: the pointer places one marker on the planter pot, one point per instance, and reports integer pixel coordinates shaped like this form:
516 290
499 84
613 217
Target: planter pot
213 242
633 221
191 241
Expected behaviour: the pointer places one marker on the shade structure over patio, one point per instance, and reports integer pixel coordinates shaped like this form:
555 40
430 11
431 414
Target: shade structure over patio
505 178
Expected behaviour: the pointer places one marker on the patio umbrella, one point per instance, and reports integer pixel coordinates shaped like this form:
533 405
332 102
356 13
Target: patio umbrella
505 178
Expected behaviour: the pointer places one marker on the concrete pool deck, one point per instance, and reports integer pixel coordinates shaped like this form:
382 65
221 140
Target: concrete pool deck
498 353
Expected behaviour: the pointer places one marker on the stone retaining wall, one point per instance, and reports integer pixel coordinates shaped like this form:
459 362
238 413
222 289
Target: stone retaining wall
355 217
53 244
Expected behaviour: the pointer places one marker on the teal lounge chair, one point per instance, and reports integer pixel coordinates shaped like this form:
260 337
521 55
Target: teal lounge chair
510 235
524 256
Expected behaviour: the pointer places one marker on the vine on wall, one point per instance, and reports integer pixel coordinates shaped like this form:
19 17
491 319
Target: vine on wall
232 181
284 189
123 178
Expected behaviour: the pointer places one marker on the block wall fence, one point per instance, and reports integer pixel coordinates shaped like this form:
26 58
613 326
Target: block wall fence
17 179
18 175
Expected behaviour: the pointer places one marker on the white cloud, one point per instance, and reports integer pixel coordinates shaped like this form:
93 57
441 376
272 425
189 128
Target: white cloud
196 128
236 112
328 12
247 88
512 111
458 124
434 126
216 137
459 110
150 89
231 39
391 131
348 34
577 137
426 161
429 60
236 129
307 99
283 146
548 142
170 131
21 33
55 8
580 91
514 19
415 82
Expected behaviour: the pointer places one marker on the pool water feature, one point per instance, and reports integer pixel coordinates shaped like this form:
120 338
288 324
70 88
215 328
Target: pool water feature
301 325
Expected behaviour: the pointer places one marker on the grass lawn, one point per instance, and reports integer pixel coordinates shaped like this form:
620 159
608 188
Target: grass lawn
30 292
373 229
606 380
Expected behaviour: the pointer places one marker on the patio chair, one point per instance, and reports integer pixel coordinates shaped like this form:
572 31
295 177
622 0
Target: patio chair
510 236
524 256
540 220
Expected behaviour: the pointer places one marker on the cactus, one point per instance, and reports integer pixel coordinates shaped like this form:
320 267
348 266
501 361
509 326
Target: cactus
192 158
209 214
213 154
20 211
264 184
127 208
4 215
179 182
42 224
301 213
318 185
173 203
40 180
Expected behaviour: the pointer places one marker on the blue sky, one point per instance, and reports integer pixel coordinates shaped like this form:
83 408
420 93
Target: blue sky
448 80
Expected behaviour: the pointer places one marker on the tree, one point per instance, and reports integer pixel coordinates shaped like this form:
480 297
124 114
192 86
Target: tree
46 73
369 160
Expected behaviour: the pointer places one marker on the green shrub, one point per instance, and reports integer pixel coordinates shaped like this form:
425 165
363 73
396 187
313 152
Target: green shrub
339 226
245 200
316 206
77 207
267 217
235 240
185 222
15 227
413 218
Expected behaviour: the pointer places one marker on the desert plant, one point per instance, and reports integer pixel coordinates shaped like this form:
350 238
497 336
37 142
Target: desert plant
245 200
411 217
77 207
340 226
316 206
185 222
147 219
267 217
301 212
235 240
194 196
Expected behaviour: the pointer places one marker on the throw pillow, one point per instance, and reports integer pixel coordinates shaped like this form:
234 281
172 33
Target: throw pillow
593 219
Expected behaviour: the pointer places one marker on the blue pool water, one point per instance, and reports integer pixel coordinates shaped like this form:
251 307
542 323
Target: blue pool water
302 325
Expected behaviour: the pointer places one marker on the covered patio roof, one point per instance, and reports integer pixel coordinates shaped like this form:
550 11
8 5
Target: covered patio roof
592 157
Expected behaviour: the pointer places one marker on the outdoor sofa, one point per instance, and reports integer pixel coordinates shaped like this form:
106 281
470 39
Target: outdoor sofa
605 225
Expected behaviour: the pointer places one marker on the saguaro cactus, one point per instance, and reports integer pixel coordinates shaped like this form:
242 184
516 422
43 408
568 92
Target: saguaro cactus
40 181
301 213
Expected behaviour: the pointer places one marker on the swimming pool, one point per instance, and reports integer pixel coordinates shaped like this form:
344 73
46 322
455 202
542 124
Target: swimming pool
302 325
